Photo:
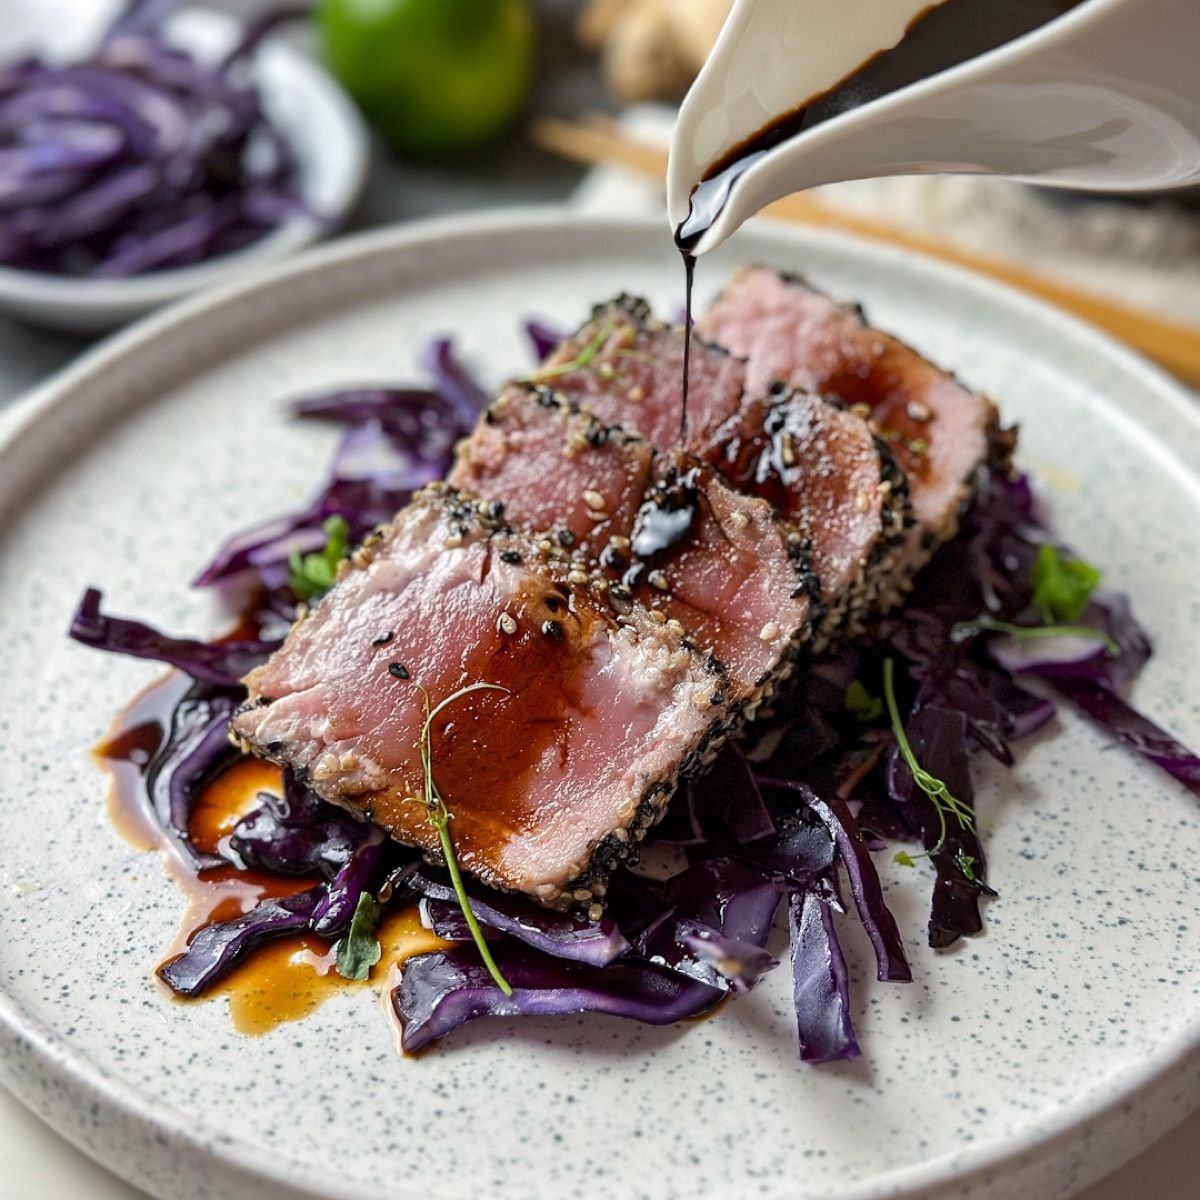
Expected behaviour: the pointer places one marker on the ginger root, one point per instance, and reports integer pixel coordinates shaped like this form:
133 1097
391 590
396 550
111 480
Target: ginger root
651 49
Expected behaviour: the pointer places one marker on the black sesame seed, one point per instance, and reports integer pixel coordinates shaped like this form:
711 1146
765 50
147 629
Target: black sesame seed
566 538
383 639
613 558
509 556
553 630
399 670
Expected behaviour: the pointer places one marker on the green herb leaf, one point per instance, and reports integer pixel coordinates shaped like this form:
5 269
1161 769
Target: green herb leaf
903 858
312 575
359 950
945 805
966 864
1062 587
861 703
440 817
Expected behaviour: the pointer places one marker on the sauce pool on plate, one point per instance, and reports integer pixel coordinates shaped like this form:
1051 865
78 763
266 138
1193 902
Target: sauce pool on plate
283 980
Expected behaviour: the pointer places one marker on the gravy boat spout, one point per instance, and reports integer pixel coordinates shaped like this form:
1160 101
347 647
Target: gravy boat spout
1104 96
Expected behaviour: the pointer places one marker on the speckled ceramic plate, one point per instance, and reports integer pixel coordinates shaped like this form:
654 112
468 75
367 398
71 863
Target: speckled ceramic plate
1024 1064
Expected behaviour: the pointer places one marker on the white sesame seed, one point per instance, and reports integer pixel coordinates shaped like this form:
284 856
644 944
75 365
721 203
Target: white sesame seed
919 411
769 632
658 580
593 499
454 541
595 912
507 623
862 502
740 517
636 393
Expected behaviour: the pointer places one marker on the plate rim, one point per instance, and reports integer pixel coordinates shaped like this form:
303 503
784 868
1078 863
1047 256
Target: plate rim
244 1160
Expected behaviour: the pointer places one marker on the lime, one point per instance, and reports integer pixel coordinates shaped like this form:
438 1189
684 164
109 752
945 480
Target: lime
434 76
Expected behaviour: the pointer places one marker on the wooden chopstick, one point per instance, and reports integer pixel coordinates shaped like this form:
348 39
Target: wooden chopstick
1174 345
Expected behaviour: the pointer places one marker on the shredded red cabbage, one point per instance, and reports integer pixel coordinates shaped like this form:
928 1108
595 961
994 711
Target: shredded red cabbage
139 157
397 440
296 834
820 981
793 813
544 337
222 663
442 991
557 934
216 949
195 751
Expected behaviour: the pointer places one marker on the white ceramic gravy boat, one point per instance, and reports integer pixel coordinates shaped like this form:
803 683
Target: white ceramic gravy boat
1105 97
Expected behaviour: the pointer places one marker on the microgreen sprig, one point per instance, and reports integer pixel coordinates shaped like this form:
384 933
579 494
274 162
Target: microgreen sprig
581 361
945 804
1026 633
439 817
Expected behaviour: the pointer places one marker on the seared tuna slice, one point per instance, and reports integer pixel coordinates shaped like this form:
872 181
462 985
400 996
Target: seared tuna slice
628 369
557 470
939 432
550 783
670 534
831 479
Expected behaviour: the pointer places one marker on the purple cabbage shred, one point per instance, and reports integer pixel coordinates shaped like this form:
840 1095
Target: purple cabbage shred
791 815
139 157
442 991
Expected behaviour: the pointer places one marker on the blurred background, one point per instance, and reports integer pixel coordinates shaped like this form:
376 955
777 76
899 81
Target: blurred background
457 123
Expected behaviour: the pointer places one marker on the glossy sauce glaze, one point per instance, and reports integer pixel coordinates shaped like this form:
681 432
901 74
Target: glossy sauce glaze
280 981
